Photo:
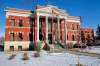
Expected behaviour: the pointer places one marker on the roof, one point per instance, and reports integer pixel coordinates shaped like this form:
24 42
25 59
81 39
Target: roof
77 18
17 10
53 8
86 28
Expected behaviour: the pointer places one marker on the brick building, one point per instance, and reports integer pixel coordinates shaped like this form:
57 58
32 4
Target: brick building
87 35
25 28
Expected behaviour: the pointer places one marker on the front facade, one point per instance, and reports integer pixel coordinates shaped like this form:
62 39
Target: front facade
48 24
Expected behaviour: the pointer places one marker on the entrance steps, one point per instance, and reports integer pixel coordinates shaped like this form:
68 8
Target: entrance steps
56 49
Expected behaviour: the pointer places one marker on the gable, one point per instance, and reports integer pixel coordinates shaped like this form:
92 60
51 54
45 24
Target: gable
52 10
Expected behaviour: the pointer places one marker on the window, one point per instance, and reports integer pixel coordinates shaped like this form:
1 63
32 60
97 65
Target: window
12 22
20 37
20 48
73 37
72 26
31 22
50 38
12 36
77 27
31 36
86 32
11 48
49 24
20 23
78 37
67 37
41 37
40 23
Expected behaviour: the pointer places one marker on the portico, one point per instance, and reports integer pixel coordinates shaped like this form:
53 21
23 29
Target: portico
51 27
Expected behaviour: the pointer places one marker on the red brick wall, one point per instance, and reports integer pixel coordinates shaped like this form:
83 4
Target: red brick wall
87 34
25 29
71 31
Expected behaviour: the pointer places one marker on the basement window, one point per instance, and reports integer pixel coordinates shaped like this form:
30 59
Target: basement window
11 48
20 48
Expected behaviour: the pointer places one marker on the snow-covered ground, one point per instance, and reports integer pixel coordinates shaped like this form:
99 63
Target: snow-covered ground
92 50
47 59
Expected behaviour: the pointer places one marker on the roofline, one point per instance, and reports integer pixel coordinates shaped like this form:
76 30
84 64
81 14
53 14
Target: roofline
87 28
18 10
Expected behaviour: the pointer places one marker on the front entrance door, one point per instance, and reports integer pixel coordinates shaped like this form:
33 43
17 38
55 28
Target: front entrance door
50 38
31 36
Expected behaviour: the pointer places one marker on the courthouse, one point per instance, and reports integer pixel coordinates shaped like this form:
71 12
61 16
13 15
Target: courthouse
48 24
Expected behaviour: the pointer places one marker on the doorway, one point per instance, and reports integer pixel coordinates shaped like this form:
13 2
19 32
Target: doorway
31 44
31 36
50 38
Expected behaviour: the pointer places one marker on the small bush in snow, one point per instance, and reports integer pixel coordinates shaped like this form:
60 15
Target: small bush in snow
80 65
37 54
38 47
25 56
12 57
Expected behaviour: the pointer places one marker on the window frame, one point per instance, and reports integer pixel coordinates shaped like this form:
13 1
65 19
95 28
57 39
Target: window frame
12 35
21 23
20 36
12 22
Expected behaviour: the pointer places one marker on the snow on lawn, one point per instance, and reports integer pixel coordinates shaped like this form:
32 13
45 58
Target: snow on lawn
47 59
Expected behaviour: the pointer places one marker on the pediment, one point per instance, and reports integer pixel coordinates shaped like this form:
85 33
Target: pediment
52 10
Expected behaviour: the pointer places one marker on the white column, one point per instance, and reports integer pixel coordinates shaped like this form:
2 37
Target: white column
46 29
37 28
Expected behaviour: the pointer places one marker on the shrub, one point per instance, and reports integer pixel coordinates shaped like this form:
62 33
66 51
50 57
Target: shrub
38 47
80 65
12 57
36 54
46 47
25 56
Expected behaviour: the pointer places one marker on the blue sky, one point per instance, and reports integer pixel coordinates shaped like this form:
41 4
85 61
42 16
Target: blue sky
89 10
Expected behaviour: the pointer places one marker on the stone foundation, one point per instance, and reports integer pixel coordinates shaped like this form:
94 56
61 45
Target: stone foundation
24 44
